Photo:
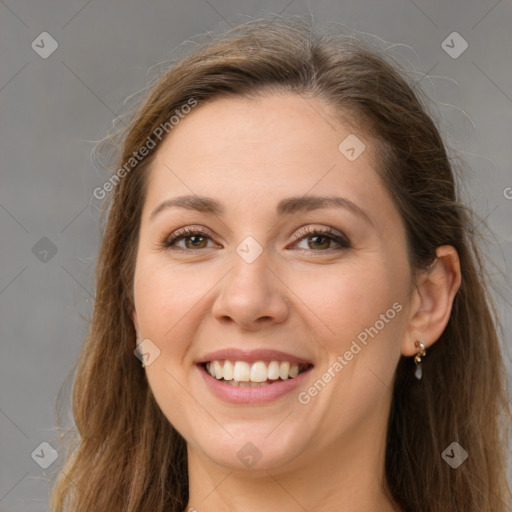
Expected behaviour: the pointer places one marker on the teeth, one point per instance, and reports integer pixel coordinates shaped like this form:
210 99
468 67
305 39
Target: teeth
246 384
259 372
229 370
218 369
273 370
242 373
284 370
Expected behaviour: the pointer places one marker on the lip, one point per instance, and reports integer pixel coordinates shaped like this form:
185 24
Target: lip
235 354
249 395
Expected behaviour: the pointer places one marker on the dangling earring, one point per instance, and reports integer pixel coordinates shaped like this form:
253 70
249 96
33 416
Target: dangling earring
418 373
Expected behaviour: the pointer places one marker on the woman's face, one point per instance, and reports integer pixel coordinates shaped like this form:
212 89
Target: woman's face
264 291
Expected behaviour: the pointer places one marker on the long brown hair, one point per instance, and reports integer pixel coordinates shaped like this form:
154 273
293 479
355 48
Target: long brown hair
126 456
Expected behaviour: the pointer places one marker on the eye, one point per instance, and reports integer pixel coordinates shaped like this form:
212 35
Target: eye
321 239
196 236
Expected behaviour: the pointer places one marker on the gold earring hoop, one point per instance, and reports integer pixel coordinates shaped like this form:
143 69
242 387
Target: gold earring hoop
418 373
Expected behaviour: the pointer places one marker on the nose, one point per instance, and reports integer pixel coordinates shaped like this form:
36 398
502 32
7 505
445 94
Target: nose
251 295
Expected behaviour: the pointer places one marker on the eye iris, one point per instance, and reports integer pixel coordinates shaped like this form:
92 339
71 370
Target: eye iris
195 237
326 239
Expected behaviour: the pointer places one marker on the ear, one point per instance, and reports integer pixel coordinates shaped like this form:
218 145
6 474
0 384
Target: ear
432 300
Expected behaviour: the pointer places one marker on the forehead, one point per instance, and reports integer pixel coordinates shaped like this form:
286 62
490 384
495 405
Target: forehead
277 123
252 151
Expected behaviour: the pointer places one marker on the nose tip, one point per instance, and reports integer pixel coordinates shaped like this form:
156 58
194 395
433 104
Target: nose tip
251 296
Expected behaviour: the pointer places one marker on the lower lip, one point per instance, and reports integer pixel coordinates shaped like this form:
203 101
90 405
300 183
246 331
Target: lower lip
251 395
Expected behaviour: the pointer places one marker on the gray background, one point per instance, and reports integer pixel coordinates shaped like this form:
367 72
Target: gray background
53 109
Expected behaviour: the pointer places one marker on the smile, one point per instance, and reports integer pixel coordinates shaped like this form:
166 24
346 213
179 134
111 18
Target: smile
258 373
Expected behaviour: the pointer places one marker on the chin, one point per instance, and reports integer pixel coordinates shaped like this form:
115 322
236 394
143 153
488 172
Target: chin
254 451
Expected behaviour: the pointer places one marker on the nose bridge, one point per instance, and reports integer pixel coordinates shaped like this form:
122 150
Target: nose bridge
250 272
251 291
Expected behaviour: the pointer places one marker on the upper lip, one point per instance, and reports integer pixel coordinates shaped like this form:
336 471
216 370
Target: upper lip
251 356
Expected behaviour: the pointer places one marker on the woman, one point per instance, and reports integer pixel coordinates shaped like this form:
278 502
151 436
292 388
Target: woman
286 255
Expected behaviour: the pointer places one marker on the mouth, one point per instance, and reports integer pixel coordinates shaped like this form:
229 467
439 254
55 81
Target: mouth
254 374
255 377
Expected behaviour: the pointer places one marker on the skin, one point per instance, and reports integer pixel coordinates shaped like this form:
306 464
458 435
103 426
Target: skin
249 154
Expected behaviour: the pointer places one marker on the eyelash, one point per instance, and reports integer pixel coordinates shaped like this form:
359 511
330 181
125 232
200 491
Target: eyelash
185 233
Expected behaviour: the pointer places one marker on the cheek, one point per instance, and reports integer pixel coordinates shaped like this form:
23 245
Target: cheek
363 304
341 300
165 294
168 301
349 298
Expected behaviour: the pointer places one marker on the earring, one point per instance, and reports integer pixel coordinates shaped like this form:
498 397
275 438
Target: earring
418 373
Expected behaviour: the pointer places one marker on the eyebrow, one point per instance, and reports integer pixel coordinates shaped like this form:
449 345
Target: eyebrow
287 206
